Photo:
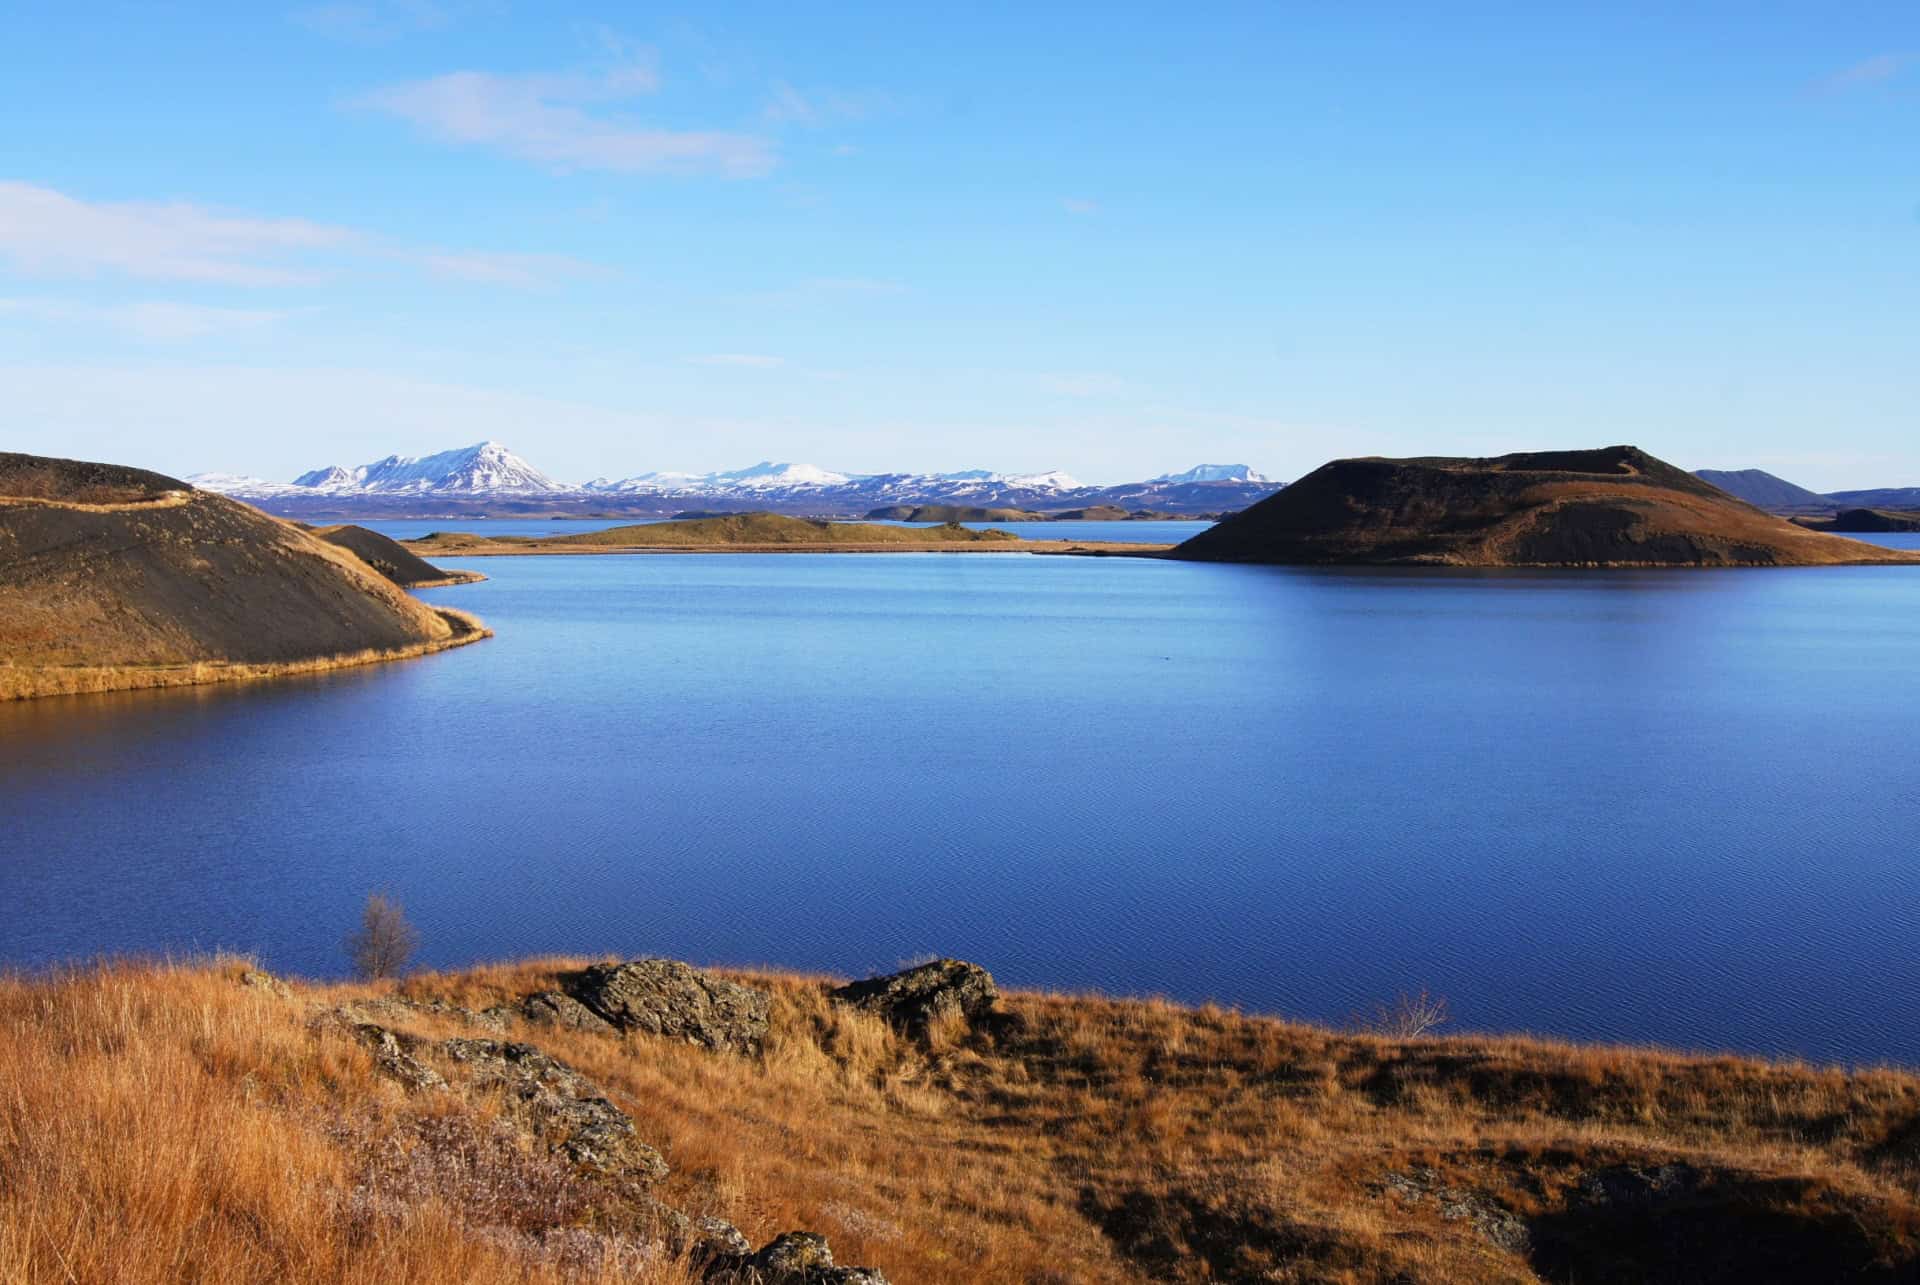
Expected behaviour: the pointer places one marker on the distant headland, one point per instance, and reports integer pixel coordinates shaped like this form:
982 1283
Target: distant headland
1612 507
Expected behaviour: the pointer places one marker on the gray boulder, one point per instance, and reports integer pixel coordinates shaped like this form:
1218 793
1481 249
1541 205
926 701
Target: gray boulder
667 998
792 1258
557 1008
911 1000
561 1106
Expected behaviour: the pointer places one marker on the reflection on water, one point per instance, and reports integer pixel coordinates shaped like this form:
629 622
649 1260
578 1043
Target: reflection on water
1664 806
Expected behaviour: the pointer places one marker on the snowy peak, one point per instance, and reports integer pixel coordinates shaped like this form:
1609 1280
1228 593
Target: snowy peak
484 468
1216 473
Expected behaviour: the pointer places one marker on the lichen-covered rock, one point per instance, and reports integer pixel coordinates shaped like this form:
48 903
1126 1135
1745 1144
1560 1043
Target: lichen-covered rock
911 1000
259 979
393 1054
394 1008
557 1008
792 1258
667 998
560 1105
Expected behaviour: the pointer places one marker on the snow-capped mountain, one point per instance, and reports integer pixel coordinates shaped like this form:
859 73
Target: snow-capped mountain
489 477
487 468
1215 473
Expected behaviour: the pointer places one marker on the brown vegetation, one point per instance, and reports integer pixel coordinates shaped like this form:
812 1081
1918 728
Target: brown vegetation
1616 506
164 1122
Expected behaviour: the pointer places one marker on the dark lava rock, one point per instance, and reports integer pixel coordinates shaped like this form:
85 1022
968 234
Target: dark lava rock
792 1258
668 998
393 1053
564 1107
557 1008
912 999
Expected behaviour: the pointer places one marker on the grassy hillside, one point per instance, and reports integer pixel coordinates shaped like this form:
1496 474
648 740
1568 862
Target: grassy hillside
759 530
1617 506
391 558
156 1117
113 578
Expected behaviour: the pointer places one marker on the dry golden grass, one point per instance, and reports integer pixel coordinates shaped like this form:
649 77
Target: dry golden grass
27 682
166 1123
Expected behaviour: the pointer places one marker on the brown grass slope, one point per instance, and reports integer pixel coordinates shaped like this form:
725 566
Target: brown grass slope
391 558
169 1123
1616 506
113 578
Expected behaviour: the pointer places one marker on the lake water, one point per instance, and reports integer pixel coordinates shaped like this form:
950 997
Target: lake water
1168 532
1677 807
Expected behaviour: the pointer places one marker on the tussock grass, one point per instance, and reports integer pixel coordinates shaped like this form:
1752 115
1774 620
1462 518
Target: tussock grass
155 1117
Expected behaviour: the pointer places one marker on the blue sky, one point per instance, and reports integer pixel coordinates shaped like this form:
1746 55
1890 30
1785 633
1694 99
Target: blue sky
1114 239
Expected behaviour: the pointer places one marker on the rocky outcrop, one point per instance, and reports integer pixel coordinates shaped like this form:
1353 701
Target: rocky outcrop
675 1001
562 1106
562 1109
911 1000
792 1258
557 1008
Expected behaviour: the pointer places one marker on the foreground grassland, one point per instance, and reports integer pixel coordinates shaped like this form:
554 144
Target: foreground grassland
168 1123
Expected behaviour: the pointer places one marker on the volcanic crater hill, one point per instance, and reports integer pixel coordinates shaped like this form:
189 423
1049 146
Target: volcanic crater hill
391 558
1615 506
116 577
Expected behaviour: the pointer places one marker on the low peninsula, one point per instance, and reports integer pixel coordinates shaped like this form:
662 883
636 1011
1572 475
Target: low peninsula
758 533
1612 507
115 578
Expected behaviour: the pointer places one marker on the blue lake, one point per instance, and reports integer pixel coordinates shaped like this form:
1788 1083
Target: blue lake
1676 807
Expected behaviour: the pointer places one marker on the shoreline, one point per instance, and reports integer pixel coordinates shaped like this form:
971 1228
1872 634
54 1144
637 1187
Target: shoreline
1044 548
40 682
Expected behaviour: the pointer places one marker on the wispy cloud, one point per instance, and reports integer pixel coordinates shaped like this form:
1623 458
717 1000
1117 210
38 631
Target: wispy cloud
48 233
569 121
1079 205
755 361
154 320
527 270
1877 70
852 285
371 21
814 108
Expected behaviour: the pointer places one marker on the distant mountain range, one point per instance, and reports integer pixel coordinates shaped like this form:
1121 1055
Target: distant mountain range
488 478
1777 495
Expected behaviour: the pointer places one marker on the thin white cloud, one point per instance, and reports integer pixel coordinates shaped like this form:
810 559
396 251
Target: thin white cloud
153 320
755 361
372 21
526 270
1079 205
565 121
853 285
47 232
1877 70
813 108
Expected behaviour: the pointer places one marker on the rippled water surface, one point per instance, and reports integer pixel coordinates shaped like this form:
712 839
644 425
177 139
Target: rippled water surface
1662 806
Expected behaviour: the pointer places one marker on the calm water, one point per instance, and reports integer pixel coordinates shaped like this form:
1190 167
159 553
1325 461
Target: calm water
1124 532
1677 807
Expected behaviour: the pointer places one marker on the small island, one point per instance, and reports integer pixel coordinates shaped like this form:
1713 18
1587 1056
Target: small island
1613 507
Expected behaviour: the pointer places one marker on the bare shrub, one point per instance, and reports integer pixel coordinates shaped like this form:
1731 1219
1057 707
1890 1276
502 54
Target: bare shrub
384 941
1408 1017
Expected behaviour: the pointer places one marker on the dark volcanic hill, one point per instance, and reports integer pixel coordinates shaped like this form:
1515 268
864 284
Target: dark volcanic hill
115 577
1765 491
1616 506
391 558
1865 521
